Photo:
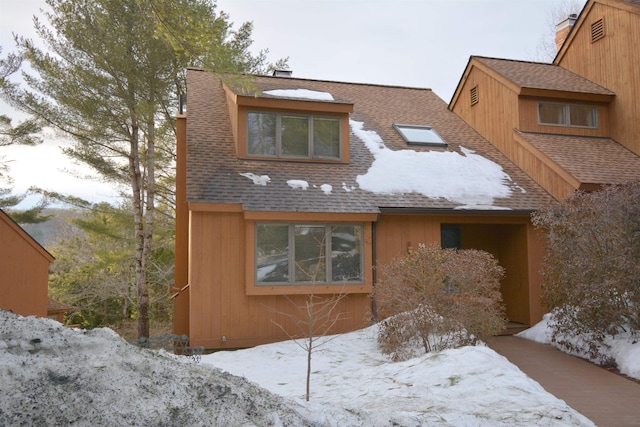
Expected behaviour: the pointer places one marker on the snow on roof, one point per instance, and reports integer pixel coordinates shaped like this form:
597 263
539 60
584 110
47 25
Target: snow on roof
298 183
257 179
300 94
468 178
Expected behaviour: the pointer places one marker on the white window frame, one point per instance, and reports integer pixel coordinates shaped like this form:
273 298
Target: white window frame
566 108
435 139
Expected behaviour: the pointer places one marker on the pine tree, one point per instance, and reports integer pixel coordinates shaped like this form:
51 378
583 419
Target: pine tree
109 78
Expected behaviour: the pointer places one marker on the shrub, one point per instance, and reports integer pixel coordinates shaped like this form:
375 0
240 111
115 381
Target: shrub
591 273
438 298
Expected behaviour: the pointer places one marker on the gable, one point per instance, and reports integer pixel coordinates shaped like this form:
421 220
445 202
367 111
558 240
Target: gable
591 17
12 232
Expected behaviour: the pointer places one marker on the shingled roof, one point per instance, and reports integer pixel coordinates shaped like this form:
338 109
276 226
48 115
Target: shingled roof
538 75
214 171
600 161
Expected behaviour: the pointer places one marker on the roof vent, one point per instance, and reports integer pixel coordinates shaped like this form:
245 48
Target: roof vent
282 73
597 30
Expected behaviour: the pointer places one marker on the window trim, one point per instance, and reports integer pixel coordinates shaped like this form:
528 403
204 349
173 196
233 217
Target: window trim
567 114
328 268
310 142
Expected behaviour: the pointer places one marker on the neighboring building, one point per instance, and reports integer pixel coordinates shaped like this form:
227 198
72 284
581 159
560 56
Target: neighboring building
24 271
290 186
574 124
56 310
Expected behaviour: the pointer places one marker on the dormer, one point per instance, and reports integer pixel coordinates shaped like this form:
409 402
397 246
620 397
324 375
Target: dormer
290 124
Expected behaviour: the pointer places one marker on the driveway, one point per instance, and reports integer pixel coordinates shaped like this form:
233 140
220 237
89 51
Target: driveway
606 398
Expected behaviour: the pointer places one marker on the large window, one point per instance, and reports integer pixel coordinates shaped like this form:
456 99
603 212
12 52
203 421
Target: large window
274 134
307 254
567 115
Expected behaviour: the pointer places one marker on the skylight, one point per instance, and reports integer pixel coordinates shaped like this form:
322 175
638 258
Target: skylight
419 135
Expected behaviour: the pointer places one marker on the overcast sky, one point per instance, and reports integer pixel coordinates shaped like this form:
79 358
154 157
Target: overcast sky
418 43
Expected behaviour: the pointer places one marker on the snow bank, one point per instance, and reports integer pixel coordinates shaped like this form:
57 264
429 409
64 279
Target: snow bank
53 376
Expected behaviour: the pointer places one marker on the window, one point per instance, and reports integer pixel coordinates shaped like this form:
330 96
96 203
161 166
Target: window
273 134
419 135
450 236
567 115
473 92
307 254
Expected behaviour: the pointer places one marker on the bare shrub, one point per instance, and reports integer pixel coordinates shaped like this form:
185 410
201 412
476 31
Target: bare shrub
438 298
591 273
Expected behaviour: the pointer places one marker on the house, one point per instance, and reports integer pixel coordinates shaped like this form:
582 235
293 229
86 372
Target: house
573 124
24 271
289 187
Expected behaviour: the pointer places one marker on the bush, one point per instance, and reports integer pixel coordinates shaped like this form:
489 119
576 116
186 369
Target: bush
438 298
591 273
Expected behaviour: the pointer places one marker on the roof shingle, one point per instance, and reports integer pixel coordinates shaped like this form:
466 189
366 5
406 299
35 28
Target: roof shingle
590 160
213 169
538 75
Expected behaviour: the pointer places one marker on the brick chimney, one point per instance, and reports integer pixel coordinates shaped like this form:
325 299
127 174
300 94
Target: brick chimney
563 28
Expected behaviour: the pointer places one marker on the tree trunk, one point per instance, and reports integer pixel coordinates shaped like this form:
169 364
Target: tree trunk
138 214
149 212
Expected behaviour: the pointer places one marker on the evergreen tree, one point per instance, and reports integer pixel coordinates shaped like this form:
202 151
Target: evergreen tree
110 76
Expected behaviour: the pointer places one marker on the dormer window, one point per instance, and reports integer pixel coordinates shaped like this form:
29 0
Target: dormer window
278 134
419 135
573 115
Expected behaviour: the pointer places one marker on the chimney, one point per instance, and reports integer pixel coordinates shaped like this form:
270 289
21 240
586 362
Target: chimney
563 29
282 73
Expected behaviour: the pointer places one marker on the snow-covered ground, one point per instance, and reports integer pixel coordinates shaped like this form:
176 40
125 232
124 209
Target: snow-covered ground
51 375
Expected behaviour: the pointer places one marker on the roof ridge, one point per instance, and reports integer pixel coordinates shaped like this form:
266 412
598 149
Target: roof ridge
280 78
514 60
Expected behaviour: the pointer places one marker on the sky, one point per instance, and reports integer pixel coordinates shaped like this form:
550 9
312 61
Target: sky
415 43
95 378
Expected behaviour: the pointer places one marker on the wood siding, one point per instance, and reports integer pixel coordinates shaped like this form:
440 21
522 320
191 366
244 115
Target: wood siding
509 238
528 108
24 271
612 62
180 290
558 182
222 314
496 112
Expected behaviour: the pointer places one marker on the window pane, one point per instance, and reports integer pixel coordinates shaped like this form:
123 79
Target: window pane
419 135
261 134
272 253
326 137
346 253
295 136
582 116
551 114
310 262
450 236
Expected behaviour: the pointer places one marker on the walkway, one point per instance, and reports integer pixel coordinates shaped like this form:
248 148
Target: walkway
607 399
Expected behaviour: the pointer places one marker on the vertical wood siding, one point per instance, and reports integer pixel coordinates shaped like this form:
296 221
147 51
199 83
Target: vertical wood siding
612 62
24 271
220 306
509 239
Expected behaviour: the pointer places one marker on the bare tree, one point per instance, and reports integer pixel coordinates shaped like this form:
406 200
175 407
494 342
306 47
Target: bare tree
314 318
546 49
